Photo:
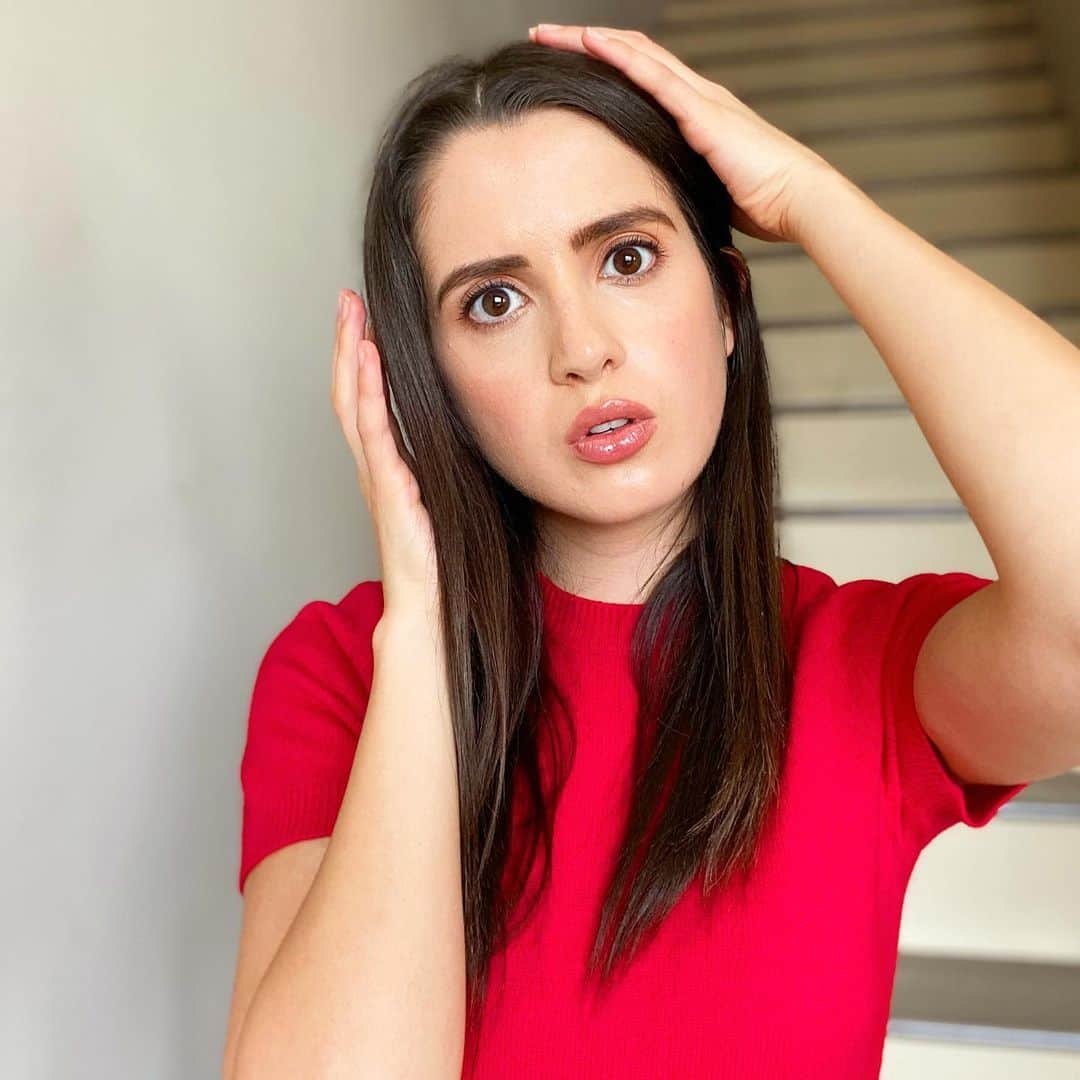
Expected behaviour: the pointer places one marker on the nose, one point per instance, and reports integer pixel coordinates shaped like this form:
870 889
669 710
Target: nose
584 345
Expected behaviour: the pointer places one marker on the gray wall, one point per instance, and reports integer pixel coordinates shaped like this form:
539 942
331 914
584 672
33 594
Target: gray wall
181 195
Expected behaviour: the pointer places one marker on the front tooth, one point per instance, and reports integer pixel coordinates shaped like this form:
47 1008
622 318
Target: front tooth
607 426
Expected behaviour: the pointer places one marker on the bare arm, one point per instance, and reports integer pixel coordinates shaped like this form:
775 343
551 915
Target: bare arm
370 977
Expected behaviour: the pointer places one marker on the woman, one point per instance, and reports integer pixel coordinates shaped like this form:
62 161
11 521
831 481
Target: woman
549 231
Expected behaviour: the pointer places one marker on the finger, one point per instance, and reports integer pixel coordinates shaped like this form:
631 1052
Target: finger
337 342
338 373
665 84
395 427
372 418
575 37
335 355
345 393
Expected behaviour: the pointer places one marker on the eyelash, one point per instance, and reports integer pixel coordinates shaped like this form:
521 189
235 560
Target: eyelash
659 254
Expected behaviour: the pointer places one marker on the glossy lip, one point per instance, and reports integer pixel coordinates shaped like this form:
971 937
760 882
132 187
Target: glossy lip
611 409
615 446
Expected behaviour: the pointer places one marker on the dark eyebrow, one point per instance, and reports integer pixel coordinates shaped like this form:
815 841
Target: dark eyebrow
579 238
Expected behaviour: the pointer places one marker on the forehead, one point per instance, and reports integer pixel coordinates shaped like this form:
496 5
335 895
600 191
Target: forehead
493 191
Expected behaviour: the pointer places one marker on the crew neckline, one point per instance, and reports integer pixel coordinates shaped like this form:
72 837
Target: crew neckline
585 622
604 626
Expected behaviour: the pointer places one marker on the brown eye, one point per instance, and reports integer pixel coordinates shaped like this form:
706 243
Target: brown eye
495 302
487 304
627 260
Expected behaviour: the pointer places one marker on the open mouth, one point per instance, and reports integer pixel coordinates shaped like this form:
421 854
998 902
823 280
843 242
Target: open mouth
615 444
613 425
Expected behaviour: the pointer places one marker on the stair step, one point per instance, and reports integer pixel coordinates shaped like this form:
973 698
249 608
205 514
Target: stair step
790 290
858 462
1003 1002
976 99
1006 891
976 211
886 547
819 366
678 12
840 30
1055 799
920 1059
880 64
964 148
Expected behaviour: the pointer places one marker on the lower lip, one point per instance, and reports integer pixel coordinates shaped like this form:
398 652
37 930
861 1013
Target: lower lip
615 445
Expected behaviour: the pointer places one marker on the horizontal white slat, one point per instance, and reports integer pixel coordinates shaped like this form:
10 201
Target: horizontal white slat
977 98
824 364
677 11
957 150
1039 273
839 27
981 999
888 550
855 459
910 61
1006 890
1055 799
917 1059
949 211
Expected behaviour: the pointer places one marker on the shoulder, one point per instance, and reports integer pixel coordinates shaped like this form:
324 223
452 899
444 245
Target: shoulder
332 636
304 719
867 615
857 646
315 675
352 616
805 592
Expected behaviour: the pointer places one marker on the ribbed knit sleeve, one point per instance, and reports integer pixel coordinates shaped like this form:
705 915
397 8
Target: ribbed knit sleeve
929 796
307 706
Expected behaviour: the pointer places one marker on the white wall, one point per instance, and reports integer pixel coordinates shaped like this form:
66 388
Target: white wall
181 196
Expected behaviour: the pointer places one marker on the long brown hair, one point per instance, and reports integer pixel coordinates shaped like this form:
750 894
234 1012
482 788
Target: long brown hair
708 652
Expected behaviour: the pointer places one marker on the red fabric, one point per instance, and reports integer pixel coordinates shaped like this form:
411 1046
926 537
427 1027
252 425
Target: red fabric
791 977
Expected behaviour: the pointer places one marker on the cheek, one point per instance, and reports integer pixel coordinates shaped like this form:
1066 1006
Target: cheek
504 420
692 368
497 407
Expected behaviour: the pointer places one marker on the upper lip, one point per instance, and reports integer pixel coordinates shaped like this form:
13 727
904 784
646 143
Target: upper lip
611 409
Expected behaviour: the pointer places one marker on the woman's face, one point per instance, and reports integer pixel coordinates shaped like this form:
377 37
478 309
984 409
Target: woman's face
568 326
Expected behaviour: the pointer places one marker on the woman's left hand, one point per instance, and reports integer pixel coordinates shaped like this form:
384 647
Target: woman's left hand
769 175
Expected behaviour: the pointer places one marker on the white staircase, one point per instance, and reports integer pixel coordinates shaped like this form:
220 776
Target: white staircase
945 114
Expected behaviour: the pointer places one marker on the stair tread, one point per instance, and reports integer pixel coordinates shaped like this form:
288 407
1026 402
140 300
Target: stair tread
1057 796
974 211
676 13
955 992
889 62
832 29
976 99
1039 273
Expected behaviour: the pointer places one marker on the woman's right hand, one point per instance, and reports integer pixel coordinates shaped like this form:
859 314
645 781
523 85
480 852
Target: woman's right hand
360 396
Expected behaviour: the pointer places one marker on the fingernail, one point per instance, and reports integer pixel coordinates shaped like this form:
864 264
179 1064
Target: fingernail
596 33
